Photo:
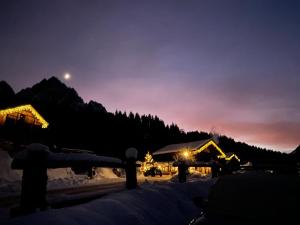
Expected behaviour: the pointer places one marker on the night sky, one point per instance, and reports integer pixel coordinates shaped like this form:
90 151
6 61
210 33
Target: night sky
232 67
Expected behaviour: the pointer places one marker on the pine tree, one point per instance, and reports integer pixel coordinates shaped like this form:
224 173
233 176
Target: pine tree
148 163
149 159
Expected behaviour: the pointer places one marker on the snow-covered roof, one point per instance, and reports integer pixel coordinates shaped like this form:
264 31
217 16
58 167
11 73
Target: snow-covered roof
159 204
179 147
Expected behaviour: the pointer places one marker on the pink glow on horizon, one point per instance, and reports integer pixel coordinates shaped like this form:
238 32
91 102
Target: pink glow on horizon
230 66
175 103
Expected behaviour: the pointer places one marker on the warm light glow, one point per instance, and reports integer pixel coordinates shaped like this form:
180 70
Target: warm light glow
186 154
67 76
222 154
233 155
148 163
25 108
211 142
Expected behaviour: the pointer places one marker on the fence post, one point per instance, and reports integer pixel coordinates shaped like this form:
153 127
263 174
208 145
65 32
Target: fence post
131 157
34 179
182 167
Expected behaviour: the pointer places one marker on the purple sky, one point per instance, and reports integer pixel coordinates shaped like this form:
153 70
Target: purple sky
228 66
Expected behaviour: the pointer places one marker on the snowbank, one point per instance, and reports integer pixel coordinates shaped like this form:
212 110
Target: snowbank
151 204
10 180
65 177
6 173
105 173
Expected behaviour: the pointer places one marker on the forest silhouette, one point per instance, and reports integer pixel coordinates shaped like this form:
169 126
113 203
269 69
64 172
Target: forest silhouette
80 125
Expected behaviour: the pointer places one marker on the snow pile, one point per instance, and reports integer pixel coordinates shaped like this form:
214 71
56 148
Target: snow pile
6 173
63 178
151 204
60 173
10 180
105 173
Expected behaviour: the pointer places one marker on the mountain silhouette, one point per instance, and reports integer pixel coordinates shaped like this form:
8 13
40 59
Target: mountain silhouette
50 93
53 94
76 124
7 95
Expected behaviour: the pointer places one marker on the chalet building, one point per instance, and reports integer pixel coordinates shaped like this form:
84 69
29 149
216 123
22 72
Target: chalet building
24 114
203 151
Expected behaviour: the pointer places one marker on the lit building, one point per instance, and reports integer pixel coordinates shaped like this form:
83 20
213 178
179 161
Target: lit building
22 114
203 151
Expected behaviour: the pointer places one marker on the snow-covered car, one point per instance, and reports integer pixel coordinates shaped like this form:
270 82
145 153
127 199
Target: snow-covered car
153 171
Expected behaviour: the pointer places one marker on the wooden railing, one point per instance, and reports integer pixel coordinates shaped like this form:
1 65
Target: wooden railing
36 159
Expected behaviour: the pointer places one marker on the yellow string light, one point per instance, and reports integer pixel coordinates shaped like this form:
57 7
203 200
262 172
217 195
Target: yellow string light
208 144
223 155
21 108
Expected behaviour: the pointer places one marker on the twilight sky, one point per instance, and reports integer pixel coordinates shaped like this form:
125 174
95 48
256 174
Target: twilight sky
229 66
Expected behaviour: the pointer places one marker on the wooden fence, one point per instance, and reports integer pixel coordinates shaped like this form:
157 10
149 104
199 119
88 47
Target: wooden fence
36 159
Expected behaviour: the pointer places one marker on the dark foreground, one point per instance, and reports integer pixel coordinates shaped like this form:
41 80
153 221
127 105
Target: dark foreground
254 198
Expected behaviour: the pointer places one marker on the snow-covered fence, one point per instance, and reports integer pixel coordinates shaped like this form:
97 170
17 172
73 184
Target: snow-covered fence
36 159
64 160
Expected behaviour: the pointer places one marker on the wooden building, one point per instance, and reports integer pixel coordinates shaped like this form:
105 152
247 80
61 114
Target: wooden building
22 114
198 151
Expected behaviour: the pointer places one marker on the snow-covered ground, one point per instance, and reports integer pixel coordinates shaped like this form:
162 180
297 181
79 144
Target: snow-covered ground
151 203
65 177
170 203
194 176
9 179
6 173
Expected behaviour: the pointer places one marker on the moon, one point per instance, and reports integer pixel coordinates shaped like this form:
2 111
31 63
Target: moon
67 76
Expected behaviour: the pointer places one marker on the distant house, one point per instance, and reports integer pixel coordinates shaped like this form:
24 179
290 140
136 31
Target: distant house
200 151
22 114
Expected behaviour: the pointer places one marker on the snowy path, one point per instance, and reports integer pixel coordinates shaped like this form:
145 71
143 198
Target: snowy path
61 197
57 196
164 203
78 195
73 196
